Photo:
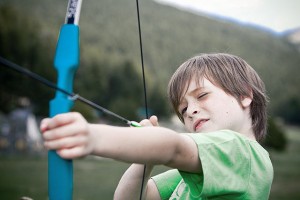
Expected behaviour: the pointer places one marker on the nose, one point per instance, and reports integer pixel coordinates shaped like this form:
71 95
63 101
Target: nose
192 110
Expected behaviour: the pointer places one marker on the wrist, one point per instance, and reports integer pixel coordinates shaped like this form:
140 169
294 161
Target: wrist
94 138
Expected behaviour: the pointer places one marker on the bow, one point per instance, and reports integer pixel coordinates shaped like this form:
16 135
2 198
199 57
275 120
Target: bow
60 171
66 61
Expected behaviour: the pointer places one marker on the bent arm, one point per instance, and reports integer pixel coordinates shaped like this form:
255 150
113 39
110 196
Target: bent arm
130 184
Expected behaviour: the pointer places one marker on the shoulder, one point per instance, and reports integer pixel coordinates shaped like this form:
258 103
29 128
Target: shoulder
218 137
228 144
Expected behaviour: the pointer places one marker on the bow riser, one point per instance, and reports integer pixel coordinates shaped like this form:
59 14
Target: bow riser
60 171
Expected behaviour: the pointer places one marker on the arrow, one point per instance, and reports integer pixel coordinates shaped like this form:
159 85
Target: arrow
73 96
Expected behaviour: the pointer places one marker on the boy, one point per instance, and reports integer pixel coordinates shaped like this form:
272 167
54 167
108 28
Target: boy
222 101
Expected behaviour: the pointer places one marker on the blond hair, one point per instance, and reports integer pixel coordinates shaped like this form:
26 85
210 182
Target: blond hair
232 74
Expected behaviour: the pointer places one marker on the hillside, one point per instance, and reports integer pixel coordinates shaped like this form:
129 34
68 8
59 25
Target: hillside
294 37
109 35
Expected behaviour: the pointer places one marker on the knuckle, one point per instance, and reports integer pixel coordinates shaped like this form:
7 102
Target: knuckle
77 115
144 122
56 119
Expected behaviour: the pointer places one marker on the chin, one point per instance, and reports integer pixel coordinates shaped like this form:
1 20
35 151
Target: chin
206 129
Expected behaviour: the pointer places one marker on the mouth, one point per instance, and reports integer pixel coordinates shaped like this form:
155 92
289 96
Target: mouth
199 123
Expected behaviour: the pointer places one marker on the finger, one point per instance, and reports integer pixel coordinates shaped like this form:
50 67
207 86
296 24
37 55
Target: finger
67 142
72 153
63 119
154 120
146 122
44 124
65 131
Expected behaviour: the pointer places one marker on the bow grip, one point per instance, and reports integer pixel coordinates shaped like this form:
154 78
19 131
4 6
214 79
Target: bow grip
60 171
67 56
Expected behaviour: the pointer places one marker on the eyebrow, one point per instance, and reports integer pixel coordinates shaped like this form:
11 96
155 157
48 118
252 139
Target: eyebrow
196 90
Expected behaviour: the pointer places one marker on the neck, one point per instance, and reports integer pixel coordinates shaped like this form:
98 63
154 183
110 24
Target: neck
247 129
250 135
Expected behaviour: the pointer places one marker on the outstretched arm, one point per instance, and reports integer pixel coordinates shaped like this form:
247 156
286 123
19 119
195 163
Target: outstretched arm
73 137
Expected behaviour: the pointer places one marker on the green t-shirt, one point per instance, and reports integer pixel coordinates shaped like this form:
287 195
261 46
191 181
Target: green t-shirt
234 167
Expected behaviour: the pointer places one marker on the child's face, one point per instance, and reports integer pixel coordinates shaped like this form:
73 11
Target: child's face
206 107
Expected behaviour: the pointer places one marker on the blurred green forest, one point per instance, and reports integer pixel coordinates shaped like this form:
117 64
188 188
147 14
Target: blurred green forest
110 69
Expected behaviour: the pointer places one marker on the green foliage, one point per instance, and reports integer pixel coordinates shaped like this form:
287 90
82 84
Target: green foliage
290 110
158 102
109 38
124 91
276 137
22 43
88 113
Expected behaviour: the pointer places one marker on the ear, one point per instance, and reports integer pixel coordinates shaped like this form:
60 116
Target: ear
245 101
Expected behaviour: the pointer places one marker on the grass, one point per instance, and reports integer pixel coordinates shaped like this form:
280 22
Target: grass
27 176
97 178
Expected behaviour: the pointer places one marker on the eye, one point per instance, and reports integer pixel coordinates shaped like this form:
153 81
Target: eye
202 95
183 111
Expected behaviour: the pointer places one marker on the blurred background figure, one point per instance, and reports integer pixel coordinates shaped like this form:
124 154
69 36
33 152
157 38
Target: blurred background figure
19 130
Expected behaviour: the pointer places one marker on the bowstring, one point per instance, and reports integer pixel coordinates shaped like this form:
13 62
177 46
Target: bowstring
144 85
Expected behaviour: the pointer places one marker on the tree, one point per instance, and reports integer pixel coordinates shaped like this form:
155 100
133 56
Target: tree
22 43
276 137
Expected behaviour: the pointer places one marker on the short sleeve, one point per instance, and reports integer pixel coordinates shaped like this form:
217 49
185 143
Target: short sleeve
167 182
225 164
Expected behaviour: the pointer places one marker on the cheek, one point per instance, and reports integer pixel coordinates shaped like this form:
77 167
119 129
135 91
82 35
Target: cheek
188 125
231 112
213 107
222 109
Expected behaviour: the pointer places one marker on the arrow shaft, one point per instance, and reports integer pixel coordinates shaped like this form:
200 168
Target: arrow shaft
73 96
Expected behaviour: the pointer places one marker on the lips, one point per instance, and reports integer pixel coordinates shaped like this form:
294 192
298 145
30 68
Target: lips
199 123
